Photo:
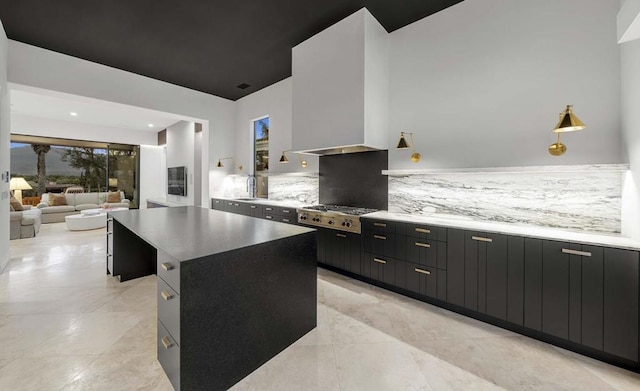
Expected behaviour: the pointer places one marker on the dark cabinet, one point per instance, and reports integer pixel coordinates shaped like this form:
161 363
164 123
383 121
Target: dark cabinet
341 249
588 271
379 268
621 303
515 280
497 264
455 266
555 289
422 280
426 252
217 204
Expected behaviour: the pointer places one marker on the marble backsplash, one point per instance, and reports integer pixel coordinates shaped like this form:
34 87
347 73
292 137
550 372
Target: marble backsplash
298 189
587 199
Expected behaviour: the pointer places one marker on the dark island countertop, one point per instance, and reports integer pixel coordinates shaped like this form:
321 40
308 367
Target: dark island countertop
191 232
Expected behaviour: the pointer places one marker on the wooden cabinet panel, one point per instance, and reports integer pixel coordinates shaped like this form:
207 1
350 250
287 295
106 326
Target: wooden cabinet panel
592 297
555 289
533 283
497 276
621 303
455 266
515 280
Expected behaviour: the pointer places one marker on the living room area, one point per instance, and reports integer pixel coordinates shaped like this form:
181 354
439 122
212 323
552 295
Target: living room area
72 159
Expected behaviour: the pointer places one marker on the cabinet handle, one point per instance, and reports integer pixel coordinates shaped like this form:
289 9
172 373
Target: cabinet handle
423 230
422 271
481 239
110 219
109 233
285 220
423 245
268 217
576 252
268 208
341 235
166 266
380 225
378 260
253 206
166 342
380 237
166 295
286 211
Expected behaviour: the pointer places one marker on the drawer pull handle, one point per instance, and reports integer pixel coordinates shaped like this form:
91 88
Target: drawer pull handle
425 245
423 230
166 295
110 219
576 252
378 260
422 271
383 225
341 235
286 211
380 237
253 206
481 239
286 220
109 233
268 217
166 342
269 208
167 266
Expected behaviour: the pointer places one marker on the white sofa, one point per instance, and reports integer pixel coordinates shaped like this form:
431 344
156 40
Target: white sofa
25 223
75 204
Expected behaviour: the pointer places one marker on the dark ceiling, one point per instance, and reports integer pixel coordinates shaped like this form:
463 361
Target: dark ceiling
207 45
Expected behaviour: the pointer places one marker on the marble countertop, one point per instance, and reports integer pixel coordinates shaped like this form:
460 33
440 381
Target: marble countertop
190 232
462 222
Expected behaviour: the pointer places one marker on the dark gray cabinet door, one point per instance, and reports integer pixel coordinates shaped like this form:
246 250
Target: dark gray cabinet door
533 283
575 295
422 280
621 273
592 310
555 289
470 271
424 252
455 266
515 280
497 275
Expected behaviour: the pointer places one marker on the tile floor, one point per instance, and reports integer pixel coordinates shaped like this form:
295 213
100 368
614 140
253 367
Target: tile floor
65 325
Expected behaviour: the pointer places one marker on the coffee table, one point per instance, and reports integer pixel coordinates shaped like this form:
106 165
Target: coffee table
89 219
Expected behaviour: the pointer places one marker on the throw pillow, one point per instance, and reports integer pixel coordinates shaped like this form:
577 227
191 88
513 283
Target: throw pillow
17 206
57 199
113 197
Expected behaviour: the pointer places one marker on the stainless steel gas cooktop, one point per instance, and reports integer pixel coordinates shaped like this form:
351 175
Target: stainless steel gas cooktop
338 217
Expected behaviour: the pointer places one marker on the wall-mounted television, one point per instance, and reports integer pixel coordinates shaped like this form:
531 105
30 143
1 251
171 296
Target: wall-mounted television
177 181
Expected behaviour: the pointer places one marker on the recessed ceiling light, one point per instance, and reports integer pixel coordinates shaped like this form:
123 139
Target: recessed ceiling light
73 114
150 125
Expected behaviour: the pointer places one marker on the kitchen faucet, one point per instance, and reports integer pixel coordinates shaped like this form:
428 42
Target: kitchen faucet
251 185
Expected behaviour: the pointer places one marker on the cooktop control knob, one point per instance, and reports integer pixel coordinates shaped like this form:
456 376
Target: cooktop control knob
348 224
330 222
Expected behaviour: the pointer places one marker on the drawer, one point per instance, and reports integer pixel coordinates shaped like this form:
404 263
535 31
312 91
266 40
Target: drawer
169 356
422 231
382 226
379 268
217 204
110 224
287 219
271 216
422 280
384 244
426 252
256 210
270 210
169 309
287 212
169 270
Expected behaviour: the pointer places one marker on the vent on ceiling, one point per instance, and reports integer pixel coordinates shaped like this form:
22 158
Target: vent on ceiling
243 86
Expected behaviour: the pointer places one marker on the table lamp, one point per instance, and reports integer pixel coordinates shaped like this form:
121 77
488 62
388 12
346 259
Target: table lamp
17 185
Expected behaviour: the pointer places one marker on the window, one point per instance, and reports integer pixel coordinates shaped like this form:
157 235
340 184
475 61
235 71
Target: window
261 156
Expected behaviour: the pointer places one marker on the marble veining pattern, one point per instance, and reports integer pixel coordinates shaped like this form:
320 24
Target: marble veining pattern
298 189
584 201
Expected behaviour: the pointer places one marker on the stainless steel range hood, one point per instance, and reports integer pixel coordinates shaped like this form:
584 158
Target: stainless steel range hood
341 88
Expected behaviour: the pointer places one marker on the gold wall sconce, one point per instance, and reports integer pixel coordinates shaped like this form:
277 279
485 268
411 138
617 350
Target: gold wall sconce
284 159
568 122
402 144
220 165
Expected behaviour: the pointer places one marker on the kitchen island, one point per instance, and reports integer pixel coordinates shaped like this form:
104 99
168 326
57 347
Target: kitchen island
233 291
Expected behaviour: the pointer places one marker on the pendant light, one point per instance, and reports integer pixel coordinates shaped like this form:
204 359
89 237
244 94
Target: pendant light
284 159
402 144
220 165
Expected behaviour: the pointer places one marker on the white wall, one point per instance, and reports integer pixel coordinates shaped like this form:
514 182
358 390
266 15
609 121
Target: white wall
180 152
47 127
153 173
631 137
5 165
481 83
36 67
274 101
